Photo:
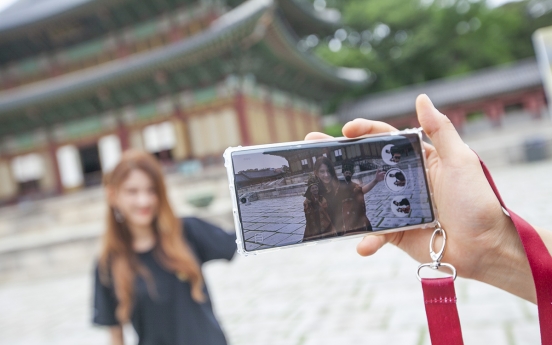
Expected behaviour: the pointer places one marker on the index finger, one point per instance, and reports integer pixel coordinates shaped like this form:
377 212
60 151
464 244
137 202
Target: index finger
358 127
316 136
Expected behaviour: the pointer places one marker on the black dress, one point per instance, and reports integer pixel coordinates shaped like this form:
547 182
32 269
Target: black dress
173 318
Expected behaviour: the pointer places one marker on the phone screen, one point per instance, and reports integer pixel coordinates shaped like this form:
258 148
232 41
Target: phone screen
313 191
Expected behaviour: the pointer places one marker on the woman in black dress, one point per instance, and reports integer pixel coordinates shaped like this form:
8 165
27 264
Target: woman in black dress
149 270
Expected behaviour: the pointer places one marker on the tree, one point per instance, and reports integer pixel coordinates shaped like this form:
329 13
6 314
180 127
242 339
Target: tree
403 42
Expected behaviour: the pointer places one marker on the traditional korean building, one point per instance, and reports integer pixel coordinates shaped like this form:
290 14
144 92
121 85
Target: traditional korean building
504 95
83 80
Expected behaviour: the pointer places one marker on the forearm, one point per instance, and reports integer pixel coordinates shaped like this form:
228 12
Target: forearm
116 333
507 266
368 187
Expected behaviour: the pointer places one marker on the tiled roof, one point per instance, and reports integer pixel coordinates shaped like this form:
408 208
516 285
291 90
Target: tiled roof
25 12
232 27
485 83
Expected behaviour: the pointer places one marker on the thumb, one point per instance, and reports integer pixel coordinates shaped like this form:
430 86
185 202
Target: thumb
439 129
371 244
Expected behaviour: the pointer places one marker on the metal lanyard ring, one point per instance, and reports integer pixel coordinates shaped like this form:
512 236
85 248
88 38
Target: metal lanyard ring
436 257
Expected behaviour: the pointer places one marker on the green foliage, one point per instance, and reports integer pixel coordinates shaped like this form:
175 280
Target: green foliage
334 130
404 42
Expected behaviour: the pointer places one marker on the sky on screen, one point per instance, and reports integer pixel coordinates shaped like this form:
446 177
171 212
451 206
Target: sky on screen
256 161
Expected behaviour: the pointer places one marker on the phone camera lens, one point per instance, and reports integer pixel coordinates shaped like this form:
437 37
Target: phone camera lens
243 200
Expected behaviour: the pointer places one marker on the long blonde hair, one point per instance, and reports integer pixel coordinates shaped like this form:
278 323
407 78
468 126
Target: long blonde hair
119 264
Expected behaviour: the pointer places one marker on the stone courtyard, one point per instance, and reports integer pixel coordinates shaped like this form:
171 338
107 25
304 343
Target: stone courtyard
317 295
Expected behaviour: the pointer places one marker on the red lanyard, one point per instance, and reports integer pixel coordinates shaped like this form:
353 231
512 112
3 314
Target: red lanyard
440 298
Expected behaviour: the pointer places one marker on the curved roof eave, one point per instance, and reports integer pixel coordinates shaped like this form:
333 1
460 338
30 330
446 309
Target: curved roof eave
142 63
340 75
24 12
307 20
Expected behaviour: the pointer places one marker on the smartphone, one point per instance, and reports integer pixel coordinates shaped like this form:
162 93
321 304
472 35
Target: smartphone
306 192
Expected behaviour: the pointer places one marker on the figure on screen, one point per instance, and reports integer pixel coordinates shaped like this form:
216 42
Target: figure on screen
395 154
336 192
401 180
353 206
318 222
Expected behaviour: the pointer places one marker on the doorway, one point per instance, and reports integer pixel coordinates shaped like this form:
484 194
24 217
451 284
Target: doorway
91 166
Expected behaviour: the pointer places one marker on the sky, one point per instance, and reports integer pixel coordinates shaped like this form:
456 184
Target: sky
6 3
257 161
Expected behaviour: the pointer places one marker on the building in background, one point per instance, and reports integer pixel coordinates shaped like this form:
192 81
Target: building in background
81 81
475 102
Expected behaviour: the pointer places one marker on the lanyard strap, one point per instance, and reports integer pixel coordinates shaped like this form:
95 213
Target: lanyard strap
442 315
540 262
440 297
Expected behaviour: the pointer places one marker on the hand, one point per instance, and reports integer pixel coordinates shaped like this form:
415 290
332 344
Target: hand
380 175
482 242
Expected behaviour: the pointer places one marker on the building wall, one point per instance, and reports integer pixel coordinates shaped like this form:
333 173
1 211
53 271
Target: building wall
301 125
257 122
283 125
213 131
203 122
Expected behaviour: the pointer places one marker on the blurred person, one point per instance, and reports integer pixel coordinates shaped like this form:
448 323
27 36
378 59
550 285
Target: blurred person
318 222
482 241
149 271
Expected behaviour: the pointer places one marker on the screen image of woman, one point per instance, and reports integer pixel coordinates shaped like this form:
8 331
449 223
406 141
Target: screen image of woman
345 198
318 222
149 270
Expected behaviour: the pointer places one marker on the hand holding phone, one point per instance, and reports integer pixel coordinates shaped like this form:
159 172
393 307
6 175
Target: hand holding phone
481 241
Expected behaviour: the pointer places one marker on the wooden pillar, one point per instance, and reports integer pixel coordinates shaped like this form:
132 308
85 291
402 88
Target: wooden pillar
182 116
52 149
122 133
494 111
533 104
239 104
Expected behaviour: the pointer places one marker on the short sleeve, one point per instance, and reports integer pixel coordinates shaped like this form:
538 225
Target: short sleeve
105 303
210 241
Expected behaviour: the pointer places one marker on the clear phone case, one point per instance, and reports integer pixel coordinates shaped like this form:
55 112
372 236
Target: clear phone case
426 222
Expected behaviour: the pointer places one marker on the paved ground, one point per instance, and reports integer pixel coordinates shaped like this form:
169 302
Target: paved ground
278 222
317 295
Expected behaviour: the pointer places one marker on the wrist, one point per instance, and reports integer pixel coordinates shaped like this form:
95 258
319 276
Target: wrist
505 264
